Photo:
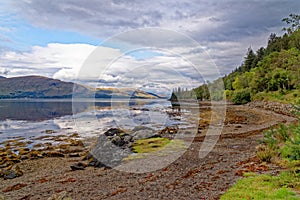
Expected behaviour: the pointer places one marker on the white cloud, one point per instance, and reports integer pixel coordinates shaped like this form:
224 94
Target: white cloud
61 61
108 67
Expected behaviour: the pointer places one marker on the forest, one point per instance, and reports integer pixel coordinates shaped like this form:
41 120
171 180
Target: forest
270 73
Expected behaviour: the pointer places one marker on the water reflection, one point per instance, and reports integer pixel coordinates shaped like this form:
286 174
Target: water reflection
40 110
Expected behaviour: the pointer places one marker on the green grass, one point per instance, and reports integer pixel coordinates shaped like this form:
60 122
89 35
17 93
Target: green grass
264 187
287 97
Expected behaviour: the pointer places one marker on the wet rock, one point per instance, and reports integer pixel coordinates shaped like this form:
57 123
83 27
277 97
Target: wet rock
169 130
53 154
78 166
33 154
113 132
12 173
75 135
50 131
24 157
74 155
76 143
24 151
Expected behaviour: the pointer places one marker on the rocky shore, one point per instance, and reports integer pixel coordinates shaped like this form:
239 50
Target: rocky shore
284 109
70 169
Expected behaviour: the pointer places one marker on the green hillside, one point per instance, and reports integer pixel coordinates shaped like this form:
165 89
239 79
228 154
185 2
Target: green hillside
270 73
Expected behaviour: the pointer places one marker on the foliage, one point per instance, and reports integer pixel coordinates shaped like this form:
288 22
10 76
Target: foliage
294 21
274 69
264 187
282 145
241 96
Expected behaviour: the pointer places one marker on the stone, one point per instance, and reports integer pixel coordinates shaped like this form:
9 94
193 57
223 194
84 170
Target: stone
138 128
53 154
60 196
113 132
11 174
74 155
49 131
78 166
143 134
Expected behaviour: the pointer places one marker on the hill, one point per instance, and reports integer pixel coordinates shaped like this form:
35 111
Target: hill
43 87
270 73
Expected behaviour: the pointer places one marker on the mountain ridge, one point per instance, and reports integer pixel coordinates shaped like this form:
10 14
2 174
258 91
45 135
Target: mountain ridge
43 87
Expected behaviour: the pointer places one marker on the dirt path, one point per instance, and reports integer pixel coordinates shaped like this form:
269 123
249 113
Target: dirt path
189 177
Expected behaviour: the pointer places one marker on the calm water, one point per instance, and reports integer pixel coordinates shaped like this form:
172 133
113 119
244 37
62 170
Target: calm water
30 119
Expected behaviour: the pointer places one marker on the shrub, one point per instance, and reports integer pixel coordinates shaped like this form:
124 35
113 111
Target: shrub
242 96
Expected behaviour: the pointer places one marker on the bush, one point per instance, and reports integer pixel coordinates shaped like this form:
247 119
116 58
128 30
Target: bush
242 96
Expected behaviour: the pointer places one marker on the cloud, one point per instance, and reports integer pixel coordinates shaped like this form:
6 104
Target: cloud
108 67
210 23
48 61
230 18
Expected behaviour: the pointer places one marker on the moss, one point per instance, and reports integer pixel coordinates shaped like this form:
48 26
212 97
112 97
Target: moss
149 145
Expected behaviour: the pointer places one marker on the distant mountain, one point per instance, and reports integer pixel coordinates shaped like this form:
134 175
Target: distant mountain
36 87
43 87
123 93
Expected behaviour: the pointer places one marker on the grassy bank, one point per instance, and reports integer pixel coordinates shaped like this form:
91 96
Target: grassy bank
280 146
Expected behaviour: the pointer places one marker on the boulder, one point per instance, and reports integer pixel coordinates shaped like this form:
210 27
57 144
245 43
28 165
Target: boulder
111 148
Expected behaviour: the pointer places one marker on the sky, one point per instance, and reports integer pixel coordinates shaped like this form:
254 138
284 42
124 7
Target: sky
151 45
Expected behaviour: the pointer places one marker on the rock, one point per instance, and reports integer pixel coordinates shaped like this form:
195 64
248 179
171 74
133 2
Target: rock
24 157
285 109
143 134
10 174
24 151
78 166
49 131
60 196
74 155
93 162
111 148
76 143
53 154
171 130
113 132
138 128
33 154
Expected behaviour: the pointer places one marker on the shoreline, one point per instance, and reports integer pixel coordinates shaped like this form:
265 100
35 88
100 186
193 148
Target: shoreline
236 138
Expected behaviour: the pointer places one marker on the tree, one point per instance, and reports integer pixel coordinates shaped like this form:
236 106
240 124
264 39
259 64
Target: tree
293 20
249 60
